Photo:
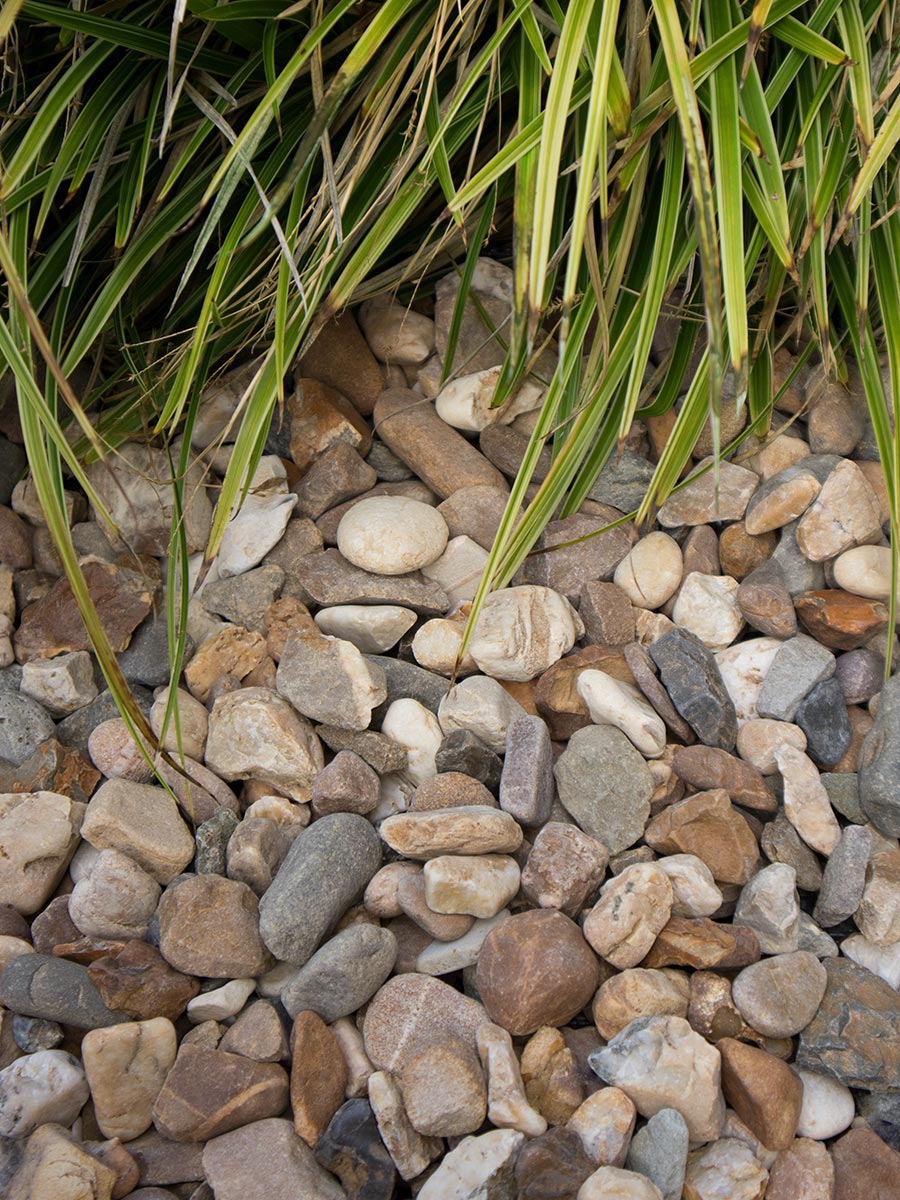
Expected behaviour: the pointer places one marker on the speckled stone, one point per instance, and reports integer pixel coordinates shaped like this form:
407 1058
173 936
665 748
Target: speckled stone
689 674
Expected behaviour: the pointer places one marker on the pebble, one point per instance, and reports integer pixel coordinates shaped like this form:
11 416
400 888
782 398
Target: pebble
879 762
396 334
765 1092
660 1062
256 734
651 571
476 885
342 975
710 827
827 1108
416 730
209 926
392 535
482 707
143 823
220 1003
479 1167
55 1165
607 614
522 631
553 1164
707 499
459 569
605 1123
468 829
779 996
611 702
845 514
38 985
347 784
380 752
257 1033
319 1076
460 750
328 680
126 1067
707 606
326 870
48 1087
266 1160
765 602
743 668
844 878
691 677
508 1106
372 628
694 891
520 964
553 1083
638 992
659 1152
116 899
770 906
632 909
865 571
825 721
526 783
413 1010
724 1170
328 579
605 784
38 835
798 666
758 740
705 767
436 646
443 957
806 803
564 867
612 1183
443 1088
62 684
782 498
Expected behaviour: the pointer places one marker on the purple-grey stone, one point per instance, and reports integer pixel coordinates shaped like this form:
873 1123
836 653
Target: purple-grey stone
526 784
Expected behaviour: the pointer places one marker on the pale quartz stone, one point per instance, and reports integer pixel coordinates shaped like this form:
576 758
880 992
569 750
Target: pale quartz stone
465 403
436 647
777 455
613 1183
222 1002
359 1065
441 958
380 896
281 810
650 572
62 684
83 861
468 829
459 569
259 523
611 702
827 1108
880 960
186 731
770 906
650 626
724 1170
708 498
605 1123
475 885
38 835
411 1152
707 607
273 982
117 899
734 1127
846 513
632 909
413 726
743 668
522 631
219 416
508 1107
806 803
482 706
126 1067
865 570
758 740
392 535
396 334
12 947
694 890
660 1062
478 1168
46 1087
372 628
394 796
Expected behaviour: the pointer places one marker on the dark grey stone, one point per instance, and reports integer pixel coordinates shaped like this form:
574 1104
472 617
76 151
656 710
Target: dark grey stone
11 678
89 538
659 1152
820 465
382 753
326 870
407 680
823 718
12 1151
568 570
623 481
526 784
691 677
800 575
781 843
860 674
343 974
386 465
12 467
351 1148
797 667
212 839
38 985
843 794
75 729
844 877
33 1033
605 785
24 724
462 751
882 1111
146 660
878 766
243 599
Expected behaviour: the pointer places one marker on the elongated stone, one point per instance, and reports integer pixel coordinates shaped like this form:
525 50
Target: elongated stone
689 674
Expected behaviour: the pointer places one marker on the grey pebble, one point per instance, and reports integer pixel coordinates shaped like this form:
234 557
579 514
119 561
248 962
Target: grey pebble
823 718
878 766
526 783
24 724
39 985
462 751
691 677
660 1150
844 877
212 839
799 664
407 680
146 660
34 1033
343 974
605 785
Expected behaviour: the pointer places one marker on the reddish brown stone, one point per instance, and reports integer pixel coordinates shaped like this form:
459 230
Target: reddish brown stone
521 967
320 417
710 827
804 1171
552 1166
340 357
282 618
52 768
53 624
208 1092
705 767
556 696
209 926
15 540
699 942
318 1076
87 949
713 1013
138 981
741 552
840 619
764 1092
865 1167
54 927
450 790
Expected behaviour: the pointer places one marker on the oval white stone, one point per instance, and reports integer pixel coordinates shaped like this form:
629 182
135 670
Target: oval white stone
651 570
392 535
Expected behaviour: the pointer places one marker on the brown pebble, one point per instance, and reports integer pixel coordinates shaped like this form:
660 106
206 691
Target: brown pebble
709 826
764 1092
699 942
450 790
741 552
865 1167
318 1076
838 619
138 981
706 767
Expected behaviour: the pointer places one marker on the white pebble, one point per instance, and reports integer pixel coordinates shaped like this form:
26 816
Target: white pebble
392 535
611 702
650 572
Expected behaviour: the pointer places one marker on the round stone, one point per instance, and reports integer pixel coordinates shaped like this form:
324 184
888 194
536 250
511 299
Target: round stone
651 571
827 1107
865 570
392 535
779 996
535 969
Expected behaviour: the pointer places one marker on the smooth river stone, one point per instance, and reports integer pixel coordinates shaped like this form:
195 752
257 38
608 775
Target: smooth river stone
390 535
411 1011
37 985
606 785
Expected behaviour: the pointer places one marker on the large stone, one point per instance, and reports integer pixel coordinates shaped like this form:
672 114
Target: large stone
344 974
865 1167
329 680
844 514
126 1067
522 631
46 1087
606 786
326 870
521 963
209 926
632 909
795 670
692 679
764 1092
391 535
779 996
328 579
141 822
852 1035
413 1010
56 1166
117 899
710 827
266 1160
564 868
37 985
481 706
443 1088
38 835
479 1168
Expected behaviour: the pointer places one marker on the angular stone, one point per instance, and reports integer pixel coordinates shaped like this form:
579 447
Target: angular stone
779 996
606 613
318 1076
478 1168
115 900
706 767
138 982
638 992
141 822
551 1165
824 719
708 499
769 905
443 1088
209 926
380 752
55 1165
508 1106
569 570
337 475
844 879
266 1160
839 619
644 672
743 668
845 514
692 679
765 1092
340 357
38 835
726 1168
522 631
694 892
411 1151
606 786
53 624
766 603
701 943
55 989
708 826
44 1088
126 1067
326 870
879 763
329 579
372 628
526 784
450 789
476 885
659 1152
520 962
865 1167
798 666
632 909
328 680
564 868
352 1149
806 803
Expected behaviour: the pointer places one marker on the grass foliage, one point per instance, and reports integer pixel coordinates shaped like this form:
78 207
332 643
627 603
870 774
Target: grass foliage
187 184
